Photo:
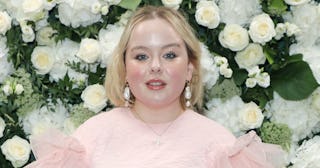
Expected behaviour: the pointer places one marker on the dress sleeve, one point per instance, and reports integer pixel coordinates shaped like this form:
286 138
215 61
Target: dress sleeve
247 152
53 149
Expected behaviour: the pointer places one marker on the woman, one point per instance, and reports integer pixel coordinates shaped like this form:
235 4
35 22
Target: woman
154 80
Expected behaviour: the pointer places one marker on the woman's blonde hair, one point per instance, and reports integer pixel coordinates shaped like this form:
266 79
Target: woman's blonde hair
115 77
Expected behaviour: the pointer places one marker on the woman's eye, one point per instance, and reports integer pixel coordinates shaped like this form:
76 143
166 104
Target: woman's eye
170 55
141 57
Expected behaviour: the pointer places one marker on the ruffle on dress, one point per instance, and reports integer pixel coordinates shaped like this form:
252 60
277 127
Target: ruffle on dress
247 152
53 149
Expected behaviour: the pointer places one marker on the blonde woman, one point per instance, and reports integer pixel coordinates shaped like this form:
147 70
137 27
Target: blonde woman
154 80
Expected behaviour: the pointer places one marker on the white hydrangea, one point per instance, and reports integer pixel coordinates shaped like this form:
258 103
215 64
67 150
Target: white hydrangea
209 68
280 30
40 120
311 54
298 115
307 18
227 113
2 127
239 12
207 14
77 14
307 154
109 39
5 22
45 36
5 66
296 2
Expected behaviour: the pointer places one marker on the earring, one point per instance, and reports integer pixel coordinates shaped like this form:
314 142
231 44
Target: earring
187 94
126 95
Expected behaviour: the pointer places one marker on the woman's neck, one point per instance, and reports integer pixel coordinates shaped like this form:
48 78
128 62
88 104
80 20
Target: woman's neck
156 115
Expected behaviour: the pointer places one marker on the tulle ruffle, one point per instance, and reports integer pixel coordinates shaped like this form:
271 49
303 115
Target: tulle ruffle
56 150
247 152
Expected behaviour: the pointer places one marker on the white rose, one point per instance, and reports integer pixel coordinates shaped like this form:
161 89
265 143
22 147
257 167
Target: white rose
296 2
280 30
27 33
96 7
104 9
18 89
32 6
251 82
45 36
262 29
172 3
42 59
251 56
234 37
250 116
89 51
263 79
2 127
5 22
207 14
16 150
94 97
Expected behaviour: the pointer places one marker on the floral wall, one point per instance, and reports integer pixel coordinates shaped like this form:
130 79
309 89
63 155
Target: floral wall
260 59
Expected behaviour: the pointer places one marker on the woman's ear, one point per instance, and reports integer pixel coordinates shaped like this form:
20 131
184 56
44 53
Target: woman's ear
190 71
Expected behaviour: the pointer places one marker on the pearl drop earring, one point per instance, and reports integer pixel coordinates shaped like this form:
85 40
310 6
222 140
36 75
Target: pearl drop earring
126 95
187 94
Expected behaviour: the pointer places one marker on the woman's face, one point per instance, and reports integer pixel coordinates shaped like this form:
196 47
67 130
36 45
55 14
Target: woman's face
157 65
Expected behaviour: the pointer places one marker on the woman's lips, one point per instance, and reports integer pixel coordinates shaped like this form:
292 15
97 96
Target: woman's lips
155 84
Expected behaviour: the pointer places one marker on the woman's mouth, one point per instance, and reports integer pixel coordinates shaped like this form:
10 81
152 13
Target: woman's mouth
155 84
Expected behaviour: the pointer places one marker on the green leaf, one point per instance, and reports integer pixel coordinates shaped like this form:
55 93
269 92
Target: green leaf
276 7
130 4
295 81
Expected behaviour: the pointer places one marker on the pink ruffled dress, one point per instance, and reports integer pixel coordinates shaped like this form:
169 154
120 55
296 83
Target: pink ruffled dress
116 139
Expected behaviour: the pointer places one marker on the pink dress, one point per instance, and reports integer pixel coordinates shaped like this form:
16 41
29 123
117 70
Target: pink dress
116 139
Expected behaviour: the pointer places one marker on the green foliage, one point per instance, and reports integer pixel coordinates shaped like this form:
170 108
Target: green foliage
295 81
276 133
130 4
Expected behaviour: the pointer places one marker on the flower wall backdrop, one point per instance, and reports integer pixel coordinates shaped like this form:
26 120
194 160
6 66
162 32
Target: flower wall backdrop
261 64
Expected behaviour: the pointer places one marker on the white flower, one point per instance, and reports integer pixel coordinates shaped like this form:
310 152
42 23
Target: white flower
316 101
32 6
5 22
251 56
207 14
280 30
40 120
105 9
96 7
263 79
298 115
292 29
251 82
221 60
296 2
124 18
262 29
225 71
239 12
307 154
94 97
45 36
77 14
7 89
18 89
234 37
250 116
172 3
5 66
27 33
2 127
209 68
16 150
226 113
109 39
89 50
42 59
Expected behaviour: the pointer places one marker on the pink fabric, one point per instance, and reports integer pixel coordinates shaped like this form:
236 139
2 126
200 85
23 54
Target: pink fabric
53 150
117 139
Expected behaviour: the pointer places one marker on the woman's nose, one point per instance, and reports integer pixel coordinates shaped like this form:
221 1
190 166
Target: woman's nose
156 66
